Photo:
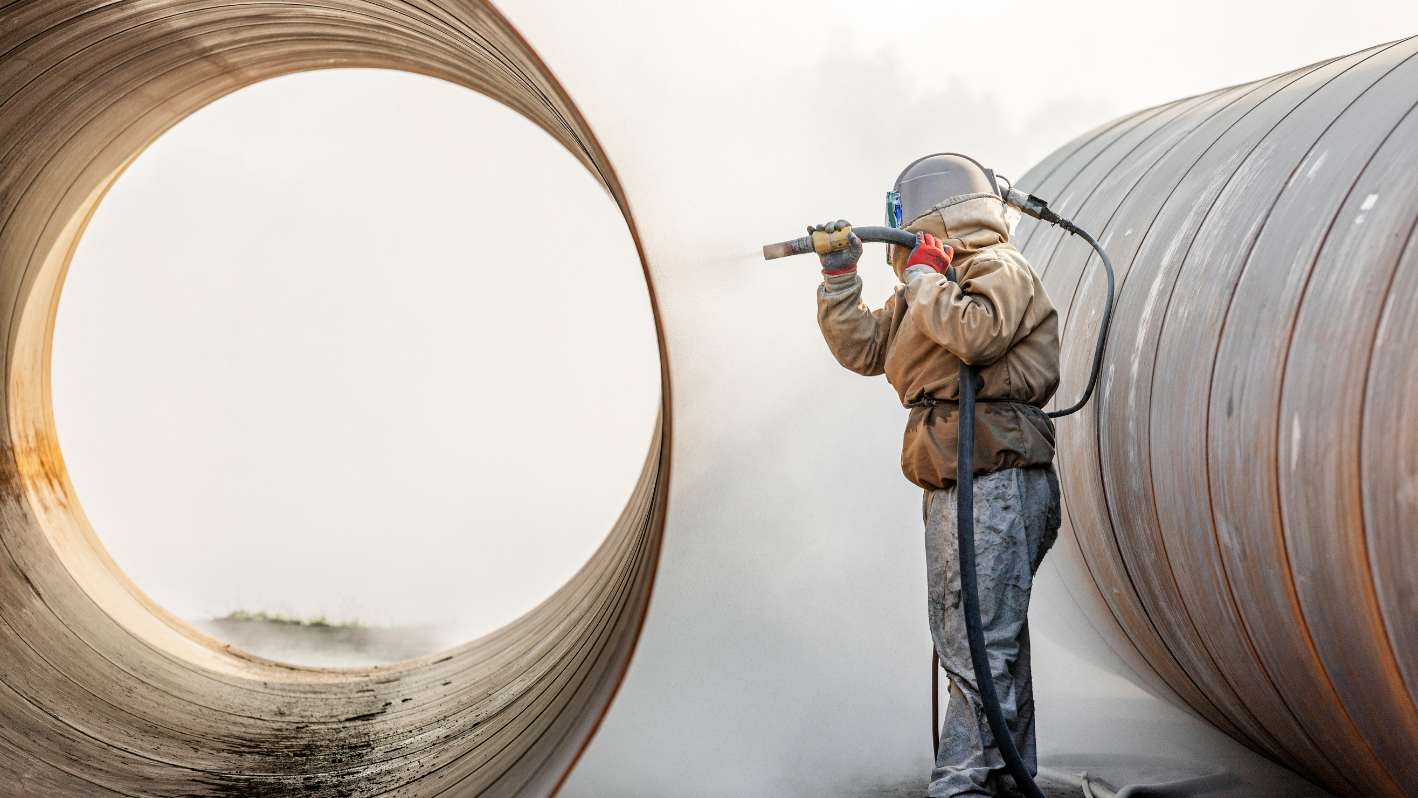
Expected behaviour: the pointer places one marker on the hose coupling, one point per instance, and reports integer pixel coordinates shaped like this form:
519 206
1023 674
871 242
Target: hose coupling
1031 205
824 243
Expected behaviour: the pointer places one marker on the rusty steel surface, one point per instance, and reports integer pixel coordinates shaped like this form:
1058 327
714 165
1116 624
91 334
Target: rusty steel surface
102 692
1244 490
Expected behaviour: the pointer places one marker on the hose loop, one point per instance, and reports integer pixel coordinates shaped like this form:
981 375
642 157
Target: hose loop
1102 329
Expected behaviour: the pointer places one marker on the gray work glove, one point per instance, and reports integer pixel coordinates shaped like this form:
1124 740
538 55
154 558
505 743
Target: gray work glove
843 261
919 270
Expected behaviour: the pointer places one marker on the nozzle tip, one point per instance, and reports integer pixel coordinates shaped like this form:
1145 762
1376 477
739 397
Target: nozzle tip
780 250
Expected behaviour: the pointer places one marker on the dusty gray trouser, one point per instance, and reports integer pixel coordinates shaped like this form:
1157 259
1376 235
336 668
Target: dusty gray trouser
1016 521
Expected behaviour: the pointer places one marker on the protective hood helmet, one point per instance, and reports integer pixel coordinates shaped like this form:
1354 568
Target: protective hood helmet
929 181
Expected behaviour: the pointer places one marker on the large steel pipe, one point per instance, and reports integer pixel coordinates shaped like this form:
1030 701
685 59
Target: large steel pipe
1244 491
101 691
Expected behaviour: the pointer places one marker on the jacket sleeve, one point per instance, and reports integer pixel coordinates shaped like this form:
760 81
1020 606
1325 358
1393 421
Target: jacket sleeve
976 320
857 336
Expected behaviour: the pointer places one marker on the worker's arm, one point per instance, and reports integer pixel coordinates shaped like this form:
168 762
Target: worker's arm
976 319
855 335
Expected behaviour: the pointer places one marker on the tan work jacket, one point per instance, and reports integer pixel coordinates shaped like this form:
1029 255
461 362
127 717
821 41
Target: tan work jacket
997 317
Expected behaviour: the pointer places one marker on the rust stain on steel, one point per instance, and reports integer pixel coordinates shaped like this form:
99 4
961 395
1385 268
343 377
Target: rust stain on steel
1244 491
103 691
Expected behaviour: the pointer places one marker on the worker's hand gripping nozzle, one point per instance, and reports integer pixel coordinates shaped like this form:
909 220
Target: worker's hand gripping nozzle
820 242
825 243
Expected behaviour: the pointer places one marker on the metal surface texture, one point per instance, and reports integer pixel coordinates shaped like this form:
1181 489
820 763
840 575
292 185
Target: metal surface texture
1242 490
102 692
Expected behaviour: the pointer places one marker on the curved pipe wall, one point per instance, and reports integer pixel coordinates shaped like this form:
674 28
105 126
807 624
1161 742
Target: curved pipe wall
102 691
1244 490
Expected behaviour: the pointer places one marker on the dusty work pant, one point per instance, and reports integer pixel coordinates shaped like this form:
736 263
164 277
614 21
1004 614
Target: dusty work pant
1016 521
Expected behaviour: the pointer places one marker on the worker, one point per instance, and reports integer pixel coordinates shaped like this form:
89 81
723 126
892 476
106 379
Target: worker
998 318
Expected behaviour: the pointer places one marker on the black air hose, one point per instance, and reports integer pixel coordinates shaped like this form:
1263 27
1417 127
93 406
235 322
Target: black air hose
969 587
1102 328
965 529
803 246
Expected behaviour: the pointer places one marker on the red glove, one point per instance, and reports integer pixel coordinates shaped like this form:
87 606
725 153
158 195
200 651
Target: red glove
930 252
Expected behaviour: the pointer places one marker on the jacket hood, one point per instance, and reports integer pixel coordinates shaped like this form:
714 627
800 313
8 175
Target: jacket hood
968 223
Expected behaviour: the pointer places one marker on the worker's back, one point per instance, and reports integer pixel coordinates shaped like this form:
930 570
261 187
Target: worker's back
998 317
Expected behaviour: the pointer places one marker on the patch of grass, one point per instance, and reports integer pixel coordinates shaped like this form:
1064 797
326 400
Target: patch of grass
266 617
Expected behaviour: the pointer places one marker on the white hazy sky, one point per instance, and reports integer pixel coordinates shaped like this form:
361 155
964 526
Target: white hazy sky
1045 69
293 372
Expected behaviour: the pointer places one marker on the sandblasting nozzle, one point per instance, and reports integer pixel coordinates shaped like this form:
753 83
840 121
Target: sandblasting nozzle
821 242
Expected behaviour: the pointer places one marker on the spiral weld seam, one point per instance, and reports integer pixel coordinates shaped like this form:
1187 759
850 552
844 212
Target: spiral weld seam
1236 491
